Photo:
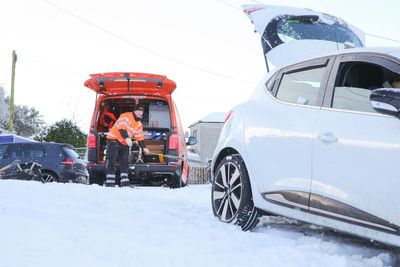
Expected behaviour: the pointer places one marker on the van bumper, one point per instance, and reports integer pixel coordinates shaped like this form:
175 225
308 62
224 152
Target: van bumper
153 174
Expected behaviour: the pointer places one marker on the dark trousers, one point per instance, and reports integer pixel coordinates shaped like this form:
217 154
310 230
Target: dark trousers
116 151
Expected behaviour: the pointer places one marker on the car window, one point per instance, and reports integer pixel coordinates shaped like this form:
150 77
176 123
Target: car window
354 84
159 115
309 27
301 87
2 150
35 151
15 151
69 152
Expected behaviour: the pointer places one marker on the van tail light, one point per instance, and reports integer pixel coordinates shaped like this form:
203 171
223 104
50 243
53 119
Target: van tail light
91 143
173 142
228 115
68 162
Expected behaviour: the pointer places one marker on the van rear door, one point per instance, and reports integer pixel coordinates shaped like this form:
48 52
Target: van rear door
122 83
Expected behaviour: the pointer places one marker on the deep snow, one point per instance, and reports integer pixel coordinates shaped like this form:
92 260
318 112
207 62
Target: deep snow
77 225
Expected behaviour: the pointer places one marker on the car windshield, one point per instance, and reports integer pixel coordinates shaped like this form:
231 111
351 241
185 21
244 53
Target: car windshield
70 152
295 29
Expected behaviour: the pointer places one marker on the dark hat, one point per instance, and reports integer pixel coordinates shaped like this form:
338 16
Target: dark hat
139 107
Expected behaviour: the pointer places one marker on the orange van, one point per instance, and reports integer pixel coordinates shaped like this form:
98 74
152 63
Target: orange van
116 93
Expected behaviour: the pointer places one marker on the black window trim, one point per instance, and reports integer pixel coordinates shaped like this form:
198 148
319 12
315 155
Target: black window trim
306 65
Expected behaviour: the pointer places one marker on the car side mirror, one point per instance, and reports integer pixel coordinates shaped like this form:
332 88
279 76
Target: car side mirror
386 101
191 141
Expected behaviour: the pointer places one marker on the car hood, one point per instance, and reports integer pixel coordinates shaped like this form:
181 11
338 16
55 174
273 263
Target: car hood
114 83
309 33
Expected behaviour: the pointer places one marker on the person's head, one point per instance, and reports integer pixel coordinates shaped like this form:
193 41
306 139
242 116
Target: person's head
395 81
138 110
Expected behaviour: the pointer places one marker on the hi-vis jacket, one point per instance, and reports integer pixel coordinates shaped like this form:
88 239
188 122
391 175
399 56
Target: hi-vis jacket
126 121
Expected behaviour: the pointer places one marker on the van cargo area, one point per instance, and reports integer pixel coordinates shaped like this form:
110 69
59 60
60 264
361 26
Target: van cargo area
153 168
156 122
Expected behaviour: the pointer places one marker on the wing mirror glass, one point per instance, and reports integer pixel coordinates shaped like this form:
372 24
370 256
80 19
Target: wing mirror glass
386 101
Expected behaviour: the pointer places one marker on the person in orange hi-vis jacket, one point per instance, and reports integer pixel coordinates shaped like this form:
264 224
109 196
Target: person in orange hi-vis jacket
119 141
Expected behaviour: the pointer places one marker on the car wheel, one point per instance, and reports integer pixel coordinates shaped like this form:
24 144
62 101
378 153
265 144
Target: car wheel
176 182
231 196
37 173
156 181
49 177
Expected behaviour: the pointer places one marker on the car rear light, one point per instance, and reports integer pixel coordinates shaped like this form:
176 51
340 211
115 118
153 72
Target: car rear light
91 143
173 142
68 162
228 116
90 164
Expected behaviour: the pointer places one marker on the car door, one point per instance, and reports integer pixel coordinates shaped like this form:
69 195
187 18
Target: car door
356 150
279 128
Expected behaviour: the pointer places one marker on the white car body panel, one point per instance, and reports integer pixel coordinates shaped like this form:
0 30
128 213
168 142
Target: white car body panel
277 128
361 167
279 56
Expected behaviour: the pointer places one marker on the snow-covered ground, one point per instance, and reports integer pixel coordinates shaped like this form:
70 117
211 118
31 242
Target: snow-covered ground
77 225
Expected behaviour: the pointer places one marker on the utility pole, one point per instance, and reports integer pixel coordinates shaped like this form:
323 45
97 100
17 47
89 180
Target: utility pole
11 121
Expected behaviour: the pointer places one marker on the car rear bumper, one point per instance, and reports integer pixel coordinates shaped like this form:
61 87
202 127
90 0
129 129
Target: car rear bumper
72 176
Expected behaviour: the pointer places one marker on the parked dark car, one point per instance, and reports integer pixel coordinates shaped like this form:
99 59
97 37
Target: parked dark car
60 162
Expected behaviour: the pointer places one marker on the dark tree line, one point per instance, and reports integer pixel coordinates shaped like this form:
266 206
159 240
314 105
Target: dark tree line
28 122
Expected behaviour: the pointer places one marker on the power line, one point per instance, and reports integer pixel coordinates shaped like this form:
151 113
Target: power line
384 38
138 45
229 5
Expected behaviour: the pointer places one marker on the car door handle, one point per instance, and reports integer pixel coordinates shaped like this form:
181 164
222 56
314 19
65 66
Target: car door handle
327 138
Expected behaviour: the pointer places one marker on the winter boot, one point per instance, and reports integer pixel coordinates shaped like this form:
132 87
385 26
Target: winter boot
110 180
124 180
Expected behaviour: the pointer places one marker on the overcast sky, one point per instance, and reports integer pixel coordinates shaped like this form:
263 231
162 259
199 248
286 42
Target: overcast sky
208 47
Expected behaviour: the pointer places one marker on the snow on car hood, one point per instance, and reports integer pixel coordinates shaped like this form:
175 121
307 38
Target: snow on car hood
311 32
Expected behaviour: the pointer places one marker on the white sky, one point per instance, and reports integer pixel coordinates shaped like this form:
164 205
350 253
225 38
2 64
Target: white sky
57 52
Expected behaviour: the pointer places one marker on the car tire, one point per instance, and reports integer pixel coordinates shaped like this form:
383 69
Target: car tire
37 173
176 182
231 196
49 177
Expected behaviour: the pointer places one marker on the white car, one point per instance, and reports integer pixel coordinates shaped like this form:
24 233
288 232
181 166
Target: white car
318 141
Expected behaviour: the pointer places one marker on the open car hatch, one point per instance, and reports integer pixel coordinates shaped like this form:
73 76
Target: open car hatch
290 34
118 83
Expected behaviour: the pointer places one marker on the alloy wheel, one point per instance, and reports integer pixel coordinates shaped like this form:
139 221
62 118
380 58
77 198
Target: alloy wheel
48 178
227 191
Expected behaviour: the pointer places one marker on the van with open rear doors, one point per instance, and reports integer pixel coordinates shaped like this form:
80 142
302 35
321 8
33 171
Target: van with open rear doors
118 92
